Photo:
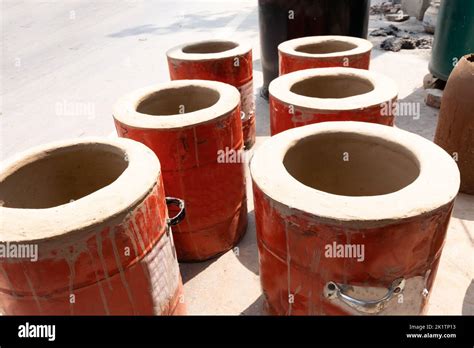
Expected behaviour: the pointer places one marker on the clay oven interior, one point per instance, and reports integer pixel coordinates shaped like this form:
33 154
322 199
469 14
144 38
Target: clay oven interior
324 47
351 164
332 86
179 100
62 175
210 47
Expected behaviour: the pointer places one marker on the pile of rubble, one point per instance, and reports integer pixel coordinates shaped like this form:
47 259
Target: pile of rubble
402 39
392 12
384 8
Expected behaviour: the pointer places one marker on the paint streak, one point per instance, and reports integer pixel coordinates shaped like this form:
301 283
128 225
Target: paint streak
120 268
101 290
291 244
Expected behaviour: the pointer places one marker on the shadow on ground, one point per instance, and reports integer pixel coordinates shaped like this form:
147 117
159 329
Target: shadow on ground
376 51
262 112
262 109
201 21
248 251
415 116
464 207
256 308
257 65
247 254
191 269
468 303
463 210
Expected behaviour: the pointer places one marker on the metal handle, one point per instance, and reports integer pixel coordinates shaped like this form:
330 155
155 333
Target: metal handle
182 211
333 290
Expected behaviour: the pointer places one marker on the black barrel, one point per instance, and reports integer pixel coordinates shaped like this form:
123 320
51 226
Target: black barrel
282 20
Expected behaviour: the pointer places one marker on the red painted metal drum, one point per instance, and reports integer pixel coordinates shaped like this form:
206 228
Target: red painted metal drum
194 128
352 219
324 52
331 94
225 61
85 231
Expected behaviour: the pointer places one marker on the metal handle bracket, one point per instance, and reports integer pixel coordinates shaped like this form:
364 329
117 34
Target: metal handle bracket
182 211
333 290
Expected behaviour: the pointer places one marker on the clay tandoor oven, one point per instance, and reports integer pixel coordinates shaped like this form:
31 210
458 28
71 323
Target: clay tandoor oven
352 219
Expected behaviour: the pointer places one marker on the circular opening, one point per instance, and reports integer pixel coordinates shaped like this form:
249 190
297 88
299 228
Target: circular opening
351 164
470 58
336 86
63 175
326 47
178 100
210 47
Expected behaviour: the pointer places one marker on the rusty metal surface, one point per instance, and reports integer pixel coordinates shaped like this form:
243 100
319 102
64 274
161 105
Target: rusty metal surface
294 269
285 116
216 207
127 268
289 63
235 70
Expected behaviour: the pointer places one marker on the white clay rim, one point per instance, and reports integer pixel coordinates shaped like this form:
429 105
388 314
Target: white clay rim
62 187
325 46
333 89
176 104
208 50
355 173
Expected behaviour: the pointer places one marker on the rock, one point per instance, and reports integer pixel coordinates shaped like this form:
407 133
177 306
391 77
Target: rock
424 43
402 39
392 44
378 32
433 97
396 17
409 43
431 81
384 7
395 44
387 31
406 42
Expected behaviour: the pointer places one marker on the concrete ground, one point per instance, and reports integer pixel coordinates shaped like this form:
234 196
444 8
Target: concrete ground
65 63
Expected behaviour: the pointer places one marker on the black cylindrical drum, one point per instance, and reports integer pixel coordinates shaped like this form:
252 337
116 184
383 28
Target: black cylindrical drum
282 20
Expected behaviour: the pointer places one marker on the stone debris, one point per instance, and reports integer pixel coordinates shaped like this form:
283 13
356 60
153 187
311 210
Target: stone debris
392 12
395 44
433 97
424 43
402 39
387 31
397 17
431 81
385 8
